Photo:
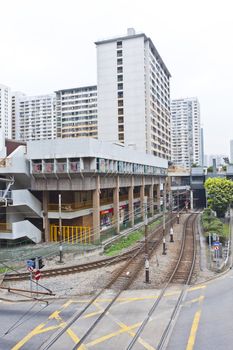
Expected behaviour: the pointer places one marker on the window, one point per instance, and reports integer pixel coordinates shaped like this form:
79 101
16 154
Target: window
119 44
120 94
121 137
120 103
120 128
120 86
119 70
120 111
120 120
119 61
120 78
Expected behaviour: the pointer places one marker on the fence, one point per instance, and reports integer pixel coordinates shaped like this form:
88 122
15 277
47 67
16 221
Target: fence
71 234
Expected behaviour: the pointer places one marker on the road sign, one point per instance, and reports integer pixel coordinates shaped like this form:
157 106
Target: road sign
216 247
37 275
31 263
30 268
216 243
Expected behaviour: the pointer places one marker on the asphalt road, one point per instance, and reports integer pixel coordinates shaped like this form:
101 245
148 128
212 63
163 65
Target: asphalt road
204 321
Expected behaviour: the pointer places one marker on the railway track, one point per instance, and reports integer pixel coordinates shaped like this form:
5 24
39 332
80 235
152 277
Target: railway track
120 281
180 274
87 266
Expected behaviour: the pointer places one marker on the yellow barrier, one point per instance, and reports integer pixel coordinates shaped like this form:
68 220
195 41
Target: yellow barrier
71 234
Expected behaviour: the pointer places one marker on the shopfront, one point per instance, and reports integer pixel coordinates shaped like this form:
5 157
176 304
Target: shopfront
106 217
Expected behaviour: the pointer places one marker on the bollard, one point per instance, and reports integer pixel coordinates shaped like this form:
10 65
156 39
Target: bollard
178 218
171 235
147 278
164 246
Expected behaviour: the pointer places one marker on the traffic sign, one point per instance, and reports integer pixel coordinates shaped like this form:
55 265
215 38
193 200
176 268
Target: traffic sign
216 247
31 263
30 268
37 275
216 243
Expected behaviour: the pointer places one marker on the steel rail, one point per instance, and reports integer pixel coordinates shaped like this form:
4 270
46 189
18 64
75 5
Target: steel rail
156 303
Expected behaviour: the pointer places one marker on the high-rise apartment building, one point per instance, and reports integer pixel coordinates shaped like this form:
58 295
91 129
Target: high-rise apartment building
15 113
133 94
76 111
186 132
5 110
37 118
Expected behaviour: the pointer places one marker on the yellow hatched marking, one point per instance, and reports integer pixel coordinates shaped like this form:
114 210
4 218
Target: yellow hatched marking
111 335
28 336
40 328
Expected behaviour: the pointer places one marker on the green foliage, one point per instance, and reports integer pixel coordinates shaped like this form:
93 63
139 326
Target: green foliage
219 194
210 169
211 224
124 242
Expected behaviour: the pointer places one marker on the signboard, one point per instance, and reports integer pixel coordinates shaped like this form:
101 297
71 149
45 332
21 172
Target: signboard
216 243
37 275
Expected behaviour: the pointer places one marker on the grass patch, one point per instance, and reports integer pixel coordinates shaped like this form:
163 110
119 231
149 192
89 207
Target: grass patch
124 242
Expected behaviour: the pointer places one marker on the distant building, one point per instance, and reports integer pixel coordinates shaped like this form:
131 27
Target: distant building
231 151
133 94
218 157
36 119
76 111
5 110
186 132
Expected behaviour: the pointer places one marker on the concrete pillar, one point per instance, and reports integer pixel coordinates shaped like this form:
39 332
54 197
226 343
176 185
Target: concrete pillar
96 211
158 198
116 217
151 199
142 195
131 198
191 199
45 216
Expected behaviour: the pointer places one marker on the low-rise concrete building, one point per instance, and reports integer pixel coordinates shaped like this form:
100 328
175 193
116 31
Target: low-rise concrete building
102 187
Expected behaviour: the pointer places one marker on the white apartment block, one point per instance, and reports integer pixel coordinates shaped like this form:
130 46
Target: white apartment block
15 113
186 132
37 118
5 110
133 94
76 111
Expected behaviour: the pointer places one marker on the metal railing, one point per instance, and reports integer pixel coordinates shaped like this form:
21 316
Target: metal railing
71 234
67 207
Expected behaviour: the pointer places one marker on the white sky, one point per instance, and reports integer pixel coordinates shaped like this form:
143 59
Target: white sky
48 45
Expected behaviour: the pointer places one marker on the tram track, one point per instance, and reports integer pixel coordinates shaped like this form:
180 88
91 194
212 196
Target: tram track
86 266
120 281
182 273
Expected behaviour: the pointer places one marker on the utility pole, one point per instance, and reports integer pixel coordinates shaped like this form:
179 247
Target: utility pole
147 278
164 213
60 231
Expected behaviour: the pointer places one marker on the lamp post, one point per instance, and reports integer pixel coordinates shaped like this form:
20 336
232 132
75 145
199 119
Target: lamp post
164 212
147 278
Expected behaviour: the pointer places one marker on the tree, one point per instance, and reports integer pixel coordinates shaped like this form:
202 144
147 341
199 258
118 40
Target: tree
219 194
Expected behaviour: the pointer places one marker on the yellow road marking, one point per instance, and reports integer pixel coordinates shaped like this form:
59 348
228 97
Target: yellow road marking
75 339
193 331
194 328
40 328
111 335
196 288
199 299
28 336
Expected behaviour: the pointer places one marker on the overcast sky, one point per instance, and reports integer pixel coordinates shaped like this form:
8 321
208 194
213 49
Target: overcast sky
48 45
